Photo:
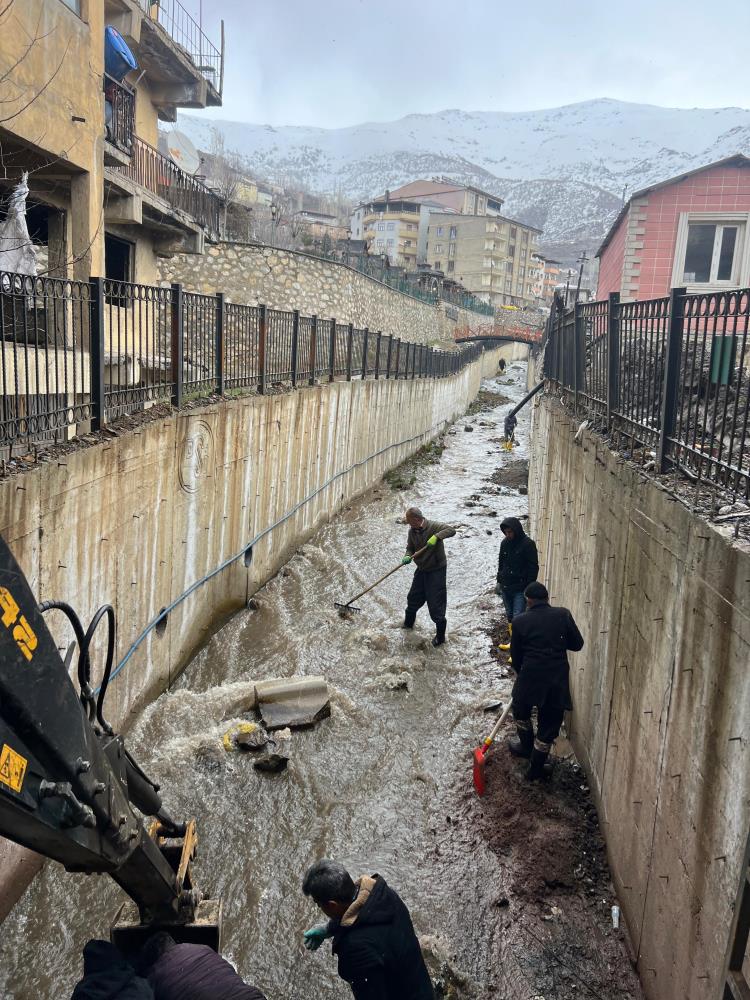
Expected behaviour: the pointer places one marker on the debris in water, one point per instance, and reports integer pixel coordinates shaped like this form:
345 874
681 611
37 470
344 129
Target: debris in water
271 762
209 756
294 701
252 740
244 731
468 428
398 682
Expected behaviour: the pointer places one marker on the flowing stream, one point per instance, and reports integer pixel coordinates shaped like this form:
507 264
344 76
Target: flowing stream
375 786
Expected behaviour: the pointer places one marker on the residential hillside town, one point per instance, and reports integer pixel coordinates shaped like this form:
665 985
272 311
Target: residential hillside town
374 501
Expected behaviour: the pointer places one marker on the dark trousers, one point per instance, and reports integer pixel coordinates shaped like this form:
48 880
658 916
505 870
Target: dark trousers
549 719
428 588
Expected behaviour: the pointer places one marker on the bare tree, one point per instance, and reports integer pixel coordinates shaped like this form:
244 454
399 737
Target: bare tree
225 173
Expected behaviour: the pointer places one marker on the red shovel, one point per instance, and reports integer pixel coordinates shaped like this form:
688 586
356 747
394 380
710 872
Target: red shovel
480 754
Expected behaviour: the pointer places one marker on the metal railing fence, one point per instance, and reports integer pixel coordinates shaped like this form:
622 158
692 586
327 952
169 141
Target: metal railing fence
160 175
667 378
185 30
76 354
119 113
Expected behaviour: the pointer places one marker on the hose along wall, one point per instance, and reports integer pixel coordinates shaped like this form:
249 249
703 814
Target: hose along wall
266 531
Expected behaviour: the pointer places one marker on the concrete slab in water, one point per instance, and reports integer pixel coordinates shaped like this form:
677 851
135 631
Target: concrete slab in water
294 702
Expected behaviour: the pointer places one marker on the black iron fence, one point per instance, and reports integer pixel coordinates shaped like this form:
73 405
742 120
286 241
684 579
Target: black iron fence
158 174
76 355
119 113
668 378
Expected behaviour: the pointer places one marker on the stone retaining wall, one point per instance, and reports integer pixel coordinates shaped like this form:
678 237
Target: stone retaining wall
286 279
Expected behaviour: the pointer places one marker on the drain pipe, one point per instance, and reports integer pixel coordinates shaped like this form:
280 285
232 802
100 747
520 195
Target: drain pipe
510 421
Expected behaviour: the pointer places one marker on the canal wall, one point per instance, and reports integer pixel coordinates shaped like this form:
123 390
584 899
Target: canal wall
661 694
251 273
140 520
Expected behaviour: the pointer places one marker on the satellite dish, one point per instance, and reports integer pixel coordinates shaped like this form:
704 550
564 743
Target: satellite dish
180 150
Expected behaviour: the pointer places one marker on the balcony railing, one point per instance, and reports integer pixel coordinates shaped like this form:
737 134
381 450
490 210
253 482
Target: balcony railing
164 178
119 113
187 33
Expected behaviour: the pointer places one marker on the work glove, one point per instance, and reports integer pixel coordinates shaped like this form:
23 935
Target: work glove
406 560
432 540
315 936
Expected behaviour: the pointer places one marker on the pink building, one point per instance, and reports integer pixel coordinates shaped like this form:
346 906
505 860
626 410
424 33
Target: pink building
691 230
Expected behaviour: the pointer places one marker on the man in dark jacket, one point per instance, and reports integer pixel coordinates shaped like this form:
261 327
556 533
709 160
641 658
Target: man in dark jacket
538 648
517 566
429 583
373 937
108 976
190 972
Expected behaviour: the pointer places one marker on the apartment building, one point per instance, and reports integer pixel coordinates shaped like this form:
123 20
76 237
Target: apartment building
104 200
396 223
491 256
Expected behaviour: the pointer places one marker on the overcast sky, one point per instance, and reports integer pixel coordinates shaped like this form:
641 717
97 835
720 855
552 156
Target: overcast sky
341 62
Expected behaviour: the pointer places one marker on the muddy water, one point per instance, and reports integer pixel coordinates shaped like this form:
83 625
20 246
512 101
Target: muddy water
375 786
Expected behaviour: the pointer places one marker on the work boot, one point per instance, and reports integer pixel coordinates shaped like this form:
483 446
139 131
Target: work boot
439 634
539 769
505 646
522 746
409 620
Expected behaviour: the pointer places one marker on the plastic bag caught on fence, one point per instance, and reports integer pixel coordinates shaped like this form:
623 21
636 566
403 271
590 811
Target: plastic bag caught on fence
17 252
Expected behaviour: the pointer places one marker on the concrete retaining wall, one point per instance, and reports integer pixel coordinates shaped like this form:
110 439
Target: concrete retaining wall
250 273
137 521
661 694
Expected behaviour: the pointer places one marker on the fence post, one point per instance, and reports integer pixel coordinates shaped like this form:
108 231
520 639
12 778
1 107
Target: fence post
220 349
295 346
313 347
262 335
377 354
390 351
364 352
332 351
177 346
96 348
577 328
673 349
398 355
349 338
613 356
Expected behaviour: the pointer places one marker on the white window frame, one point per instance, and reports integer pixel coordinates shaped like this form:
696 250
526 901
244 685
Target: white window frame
438 248
741 264
381 227
439 231
390 226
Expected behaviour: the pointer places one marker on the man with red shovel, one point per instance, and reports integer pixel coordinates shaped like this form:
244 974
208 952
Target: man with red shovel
539 645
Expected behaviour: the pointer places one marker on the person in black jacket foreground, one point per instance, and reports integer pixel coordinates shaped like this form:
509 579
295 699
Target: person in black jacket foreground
538 651
163 970
373 937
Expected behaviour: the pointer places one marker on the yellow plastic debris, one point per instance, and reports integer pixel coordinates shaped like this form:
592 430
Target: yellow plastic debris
239 727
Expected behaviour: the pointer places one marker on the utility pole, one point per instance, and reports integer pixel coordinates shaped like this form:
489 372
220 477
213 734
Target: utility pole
581 261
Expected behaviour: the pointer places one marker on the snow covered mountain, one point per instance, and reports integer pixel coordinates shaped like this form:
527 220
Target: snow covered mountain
563 169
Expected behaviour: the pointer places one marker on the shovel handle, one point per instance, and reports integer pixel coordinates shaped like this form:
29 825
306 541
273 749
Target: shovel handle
496 728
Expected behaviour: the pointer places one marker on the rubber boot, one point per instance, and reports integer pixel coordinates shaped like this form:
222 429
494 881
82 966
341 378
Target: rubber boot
539 769
505 646
409 619
522 746
439 634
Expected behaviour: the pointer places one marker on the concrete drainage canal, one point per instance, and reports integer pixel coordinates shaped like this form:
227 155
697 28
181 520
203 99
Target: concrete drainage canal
510 894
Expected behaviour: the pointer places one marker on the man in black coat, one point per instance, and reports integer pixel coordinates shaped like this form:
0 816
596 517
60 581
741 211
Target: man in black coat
538 649
373 937
517 566
109 976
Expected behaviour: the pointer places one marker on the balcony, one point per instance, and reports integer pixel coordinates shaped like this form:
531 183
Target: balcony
150 173
185 31
119 114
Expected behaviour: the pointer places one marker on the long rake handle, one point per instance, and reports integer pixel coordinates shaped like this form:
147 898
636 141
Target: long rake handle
384 577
